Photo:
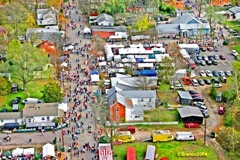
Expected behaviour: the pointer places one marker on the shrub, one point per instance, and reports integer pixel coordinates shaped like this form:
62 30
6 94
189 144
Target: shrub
225 43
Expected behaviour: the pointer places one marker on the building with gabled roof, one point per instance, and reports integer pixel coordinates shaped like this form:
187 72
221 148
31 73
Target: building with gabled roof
190 114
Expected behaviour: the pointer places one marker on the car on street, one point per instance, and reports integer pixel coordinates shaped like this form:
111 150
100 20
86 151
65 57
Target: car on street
217 85
221 73
234 53
228 73
221 110
207 81
194 82
209 62
209 73
215 73
202 73
192 125
201 82
222 57
203 63
15 101
216 57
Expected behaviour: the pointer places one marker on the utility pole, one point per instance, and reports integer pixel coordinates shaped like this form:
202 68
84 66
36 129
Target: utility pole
205 130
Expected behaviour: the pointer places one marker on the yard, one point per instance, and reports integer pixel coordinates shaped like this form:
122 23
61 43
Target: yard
170 150
235 25
161 115
33 91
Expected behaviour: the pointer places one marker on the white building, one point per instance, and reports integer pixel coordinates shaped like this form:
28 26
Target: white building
10 117
46 17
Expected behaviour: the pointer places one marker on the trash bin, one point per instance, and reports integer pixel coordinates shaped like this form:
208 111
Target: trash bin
62 149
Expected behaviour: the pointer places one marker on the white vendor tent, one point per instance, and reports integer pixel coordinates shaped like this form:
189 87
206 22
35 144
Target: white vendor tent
28 151
17 152
142 65
86 30
63 106
48 150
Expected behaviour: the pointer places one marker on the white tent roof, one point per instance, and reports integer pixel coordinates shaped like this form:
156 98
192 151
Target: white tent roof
87 30
48 150
95 77
63 106
28 151
17 152
142 65
103 63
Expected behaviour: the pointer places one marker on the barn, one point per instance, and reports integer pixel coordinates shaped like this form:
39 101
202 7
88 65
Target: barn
190 114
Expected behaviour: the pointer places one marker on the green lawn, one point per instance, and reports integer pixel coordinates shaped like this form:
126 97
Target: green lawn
167 149
164 87
33 91
161 115
235 25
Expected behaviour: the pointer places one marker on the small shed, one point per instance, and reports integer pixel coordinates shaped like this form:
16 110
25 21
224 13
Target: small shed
15 108
190 114
184 98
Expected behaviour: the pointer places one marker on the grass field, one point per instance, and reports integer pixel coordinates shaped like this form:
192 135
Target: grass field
161 115
33 91
167 149
235 25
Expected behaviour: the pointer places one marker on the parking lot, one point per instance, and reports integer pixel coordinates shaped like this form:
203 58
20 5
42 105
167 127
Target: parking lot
223 65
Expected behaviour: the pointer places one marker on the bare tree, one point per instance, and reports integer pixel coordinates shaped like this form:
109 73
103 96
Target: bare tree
144 83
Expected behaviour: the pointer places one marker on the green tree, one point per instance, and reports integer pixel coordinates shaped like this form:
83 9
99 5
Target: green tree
213 92
52 92
142 23
165 70
25 61
4 87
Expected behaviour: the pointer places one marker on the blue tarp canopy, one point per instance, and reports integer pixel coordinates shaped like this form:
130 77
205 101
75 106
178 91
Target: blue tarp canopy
187 3
139 60
151 56
94 72
137 73
149 73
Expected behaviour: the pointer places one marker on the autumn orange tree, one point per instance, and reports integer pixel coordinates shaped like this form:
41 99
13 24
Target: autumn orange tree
55 3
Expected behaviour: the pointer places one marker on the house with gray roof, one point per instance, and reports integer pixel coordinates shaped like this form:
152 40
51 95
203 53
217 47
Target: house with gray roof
10 117
105 20
234 12
46 17
184 25
130 105
190 114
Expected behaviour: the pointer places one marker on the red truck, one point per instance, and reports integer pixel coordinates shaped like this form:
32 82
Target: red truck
132 129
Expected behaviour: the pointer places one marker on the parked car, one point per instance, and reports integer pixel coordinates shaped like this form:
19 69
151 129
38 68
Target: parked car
132 129
219 97
207 81
215 73
177 86
192 125
221 73
215 80
185 136
203 63
228 73
203 108
216 57
210 57
234 53
204 49
201 82
222 57
197 104
202 73
205 114
221 110
197 99
214 62
205 58
186 80
209 62
194 82
199 58
217 85
210 49
31 101
223 79
209 73
212 135
192 92
15 101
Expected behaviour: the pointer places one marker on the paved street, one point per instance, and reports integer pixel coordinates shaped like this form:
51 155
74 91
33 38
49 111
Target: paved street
21 139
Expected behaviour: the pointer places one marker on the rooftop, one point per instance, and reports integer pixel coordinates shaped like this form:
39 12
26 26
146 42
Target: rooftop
184 94
189 111
10 115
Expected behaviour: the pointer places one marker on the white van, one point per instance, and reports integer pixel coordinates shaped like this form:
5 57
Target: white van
31 101
185 136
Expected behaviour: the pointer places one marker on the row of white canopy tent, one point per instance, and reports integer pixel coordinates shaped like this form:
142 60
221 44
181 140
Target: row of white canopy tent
47 150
